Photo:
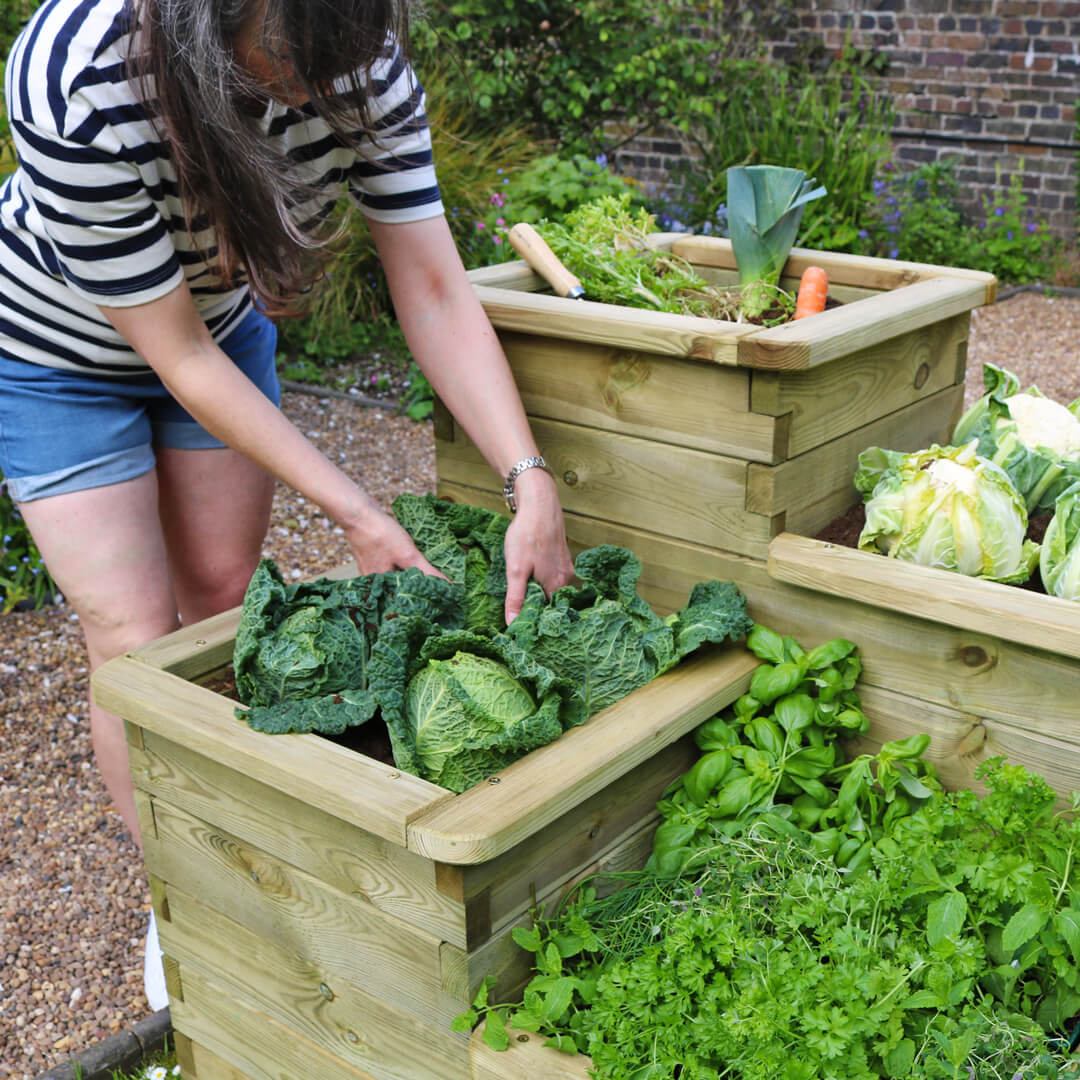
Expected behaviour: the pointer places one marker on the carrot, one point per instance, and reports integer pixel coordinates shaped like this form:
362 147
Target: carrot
813 289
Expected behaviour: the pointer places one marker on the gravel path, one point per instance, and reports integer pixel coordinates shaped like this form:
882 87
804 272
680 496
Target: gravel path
73 900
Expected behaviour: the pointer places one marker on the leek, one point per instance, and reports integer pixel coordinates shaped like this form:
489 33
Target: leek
765 205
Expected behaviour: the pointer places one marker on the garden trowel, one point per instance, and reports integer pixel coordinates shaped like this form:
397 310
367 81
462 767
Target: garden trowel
533 248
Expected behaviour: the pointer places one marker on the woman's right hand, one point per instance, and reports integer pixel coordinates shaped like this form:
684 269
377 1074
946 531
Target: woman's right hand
379 543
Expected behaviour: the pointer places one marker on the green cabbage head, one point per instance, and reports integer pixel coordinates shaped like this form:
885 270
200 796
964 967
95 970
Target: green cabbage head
469 717
945 507
1034 439
1059 559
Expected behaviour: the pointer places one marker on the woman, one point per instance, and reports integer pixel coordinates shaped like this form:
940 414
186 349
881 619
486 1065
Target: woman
176 159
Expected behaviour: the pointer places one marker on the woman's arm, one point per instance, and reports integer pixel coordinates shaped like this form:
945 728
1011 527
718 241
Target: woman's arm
454 344
170 336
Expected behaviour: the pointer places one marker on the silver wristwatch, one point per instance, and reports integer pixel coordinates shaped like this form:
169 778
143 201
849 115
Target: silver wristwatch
515 472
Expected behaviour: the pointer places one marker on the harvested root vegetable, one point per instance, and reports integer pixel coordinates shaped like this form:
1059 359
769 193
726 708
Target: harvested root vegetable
813 292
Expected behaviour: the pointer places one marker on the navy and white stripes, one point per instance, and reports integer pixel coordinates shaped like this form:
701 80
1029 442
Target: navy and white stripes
92 216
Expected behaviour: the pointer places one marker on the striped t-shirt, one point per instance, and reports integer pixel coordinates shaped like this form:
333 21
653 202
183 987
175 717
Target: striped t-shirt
92 215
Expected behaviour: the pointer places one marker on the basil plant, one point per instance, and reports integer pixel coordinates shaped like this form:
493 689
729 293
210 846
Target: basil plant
1034 439
948 508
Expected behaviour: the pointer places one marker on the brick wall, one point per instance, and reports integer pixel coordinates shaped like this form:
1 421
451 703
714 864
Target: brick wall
992 84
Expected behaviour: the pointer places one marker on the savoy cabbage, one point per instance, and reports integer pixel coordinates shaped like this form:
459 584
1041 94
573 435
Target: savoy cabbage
462 695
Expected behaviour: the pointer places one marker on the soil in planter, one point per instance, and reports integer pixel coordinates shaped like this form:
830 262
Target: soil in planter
845 529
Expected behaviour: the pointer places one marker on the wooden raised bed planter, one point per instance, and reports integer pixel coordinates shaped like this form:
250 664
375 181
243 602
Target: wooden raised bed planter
724 434
323 914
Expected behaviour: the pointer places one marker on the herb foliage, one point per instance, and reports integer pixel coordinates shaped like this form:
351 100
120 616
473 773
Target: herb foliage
944 944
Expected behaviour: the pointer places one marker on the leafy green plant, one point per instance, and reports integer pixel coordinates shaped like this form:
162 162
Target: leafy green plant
949 948
569 68
916 215
24 578
834 126
461 694
1012 242
1059 556
948 508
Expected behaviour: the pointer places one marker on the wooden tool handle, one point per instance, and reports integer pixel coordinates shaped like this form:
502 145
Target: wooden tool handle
533 248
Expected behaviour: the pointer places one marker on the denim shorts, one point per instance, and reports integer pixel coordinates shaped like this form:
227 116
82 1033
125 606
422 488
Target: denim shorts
63 431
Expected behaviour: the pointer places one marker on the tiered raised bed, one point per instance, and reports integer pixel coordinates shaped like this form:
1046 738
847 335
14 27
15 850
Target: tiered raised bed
324 914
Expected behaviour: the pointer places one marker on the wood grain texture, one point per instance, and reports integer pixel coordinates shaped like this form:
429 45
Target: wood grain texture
818 486
630 392
342 783
697 496
344 856
840 331
487 820
348 1022
826 402
611 324
1005 611
527 1059
335 932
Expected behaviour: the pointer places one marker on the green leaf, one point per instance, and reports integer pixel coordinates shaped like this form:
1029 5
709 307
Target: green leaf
1067 924
1023 926
495 1032
465 1021
827 654
945 917
922 999
770 682
766 644
527 939
899 1059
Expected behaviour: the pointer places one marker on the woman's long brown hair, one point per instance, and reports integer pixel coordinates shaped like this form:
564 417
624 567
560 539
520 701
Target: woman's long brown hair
238 191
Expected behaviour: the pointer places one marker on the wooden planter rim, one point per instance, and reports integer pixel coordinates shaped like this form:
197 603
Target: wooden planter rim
906 296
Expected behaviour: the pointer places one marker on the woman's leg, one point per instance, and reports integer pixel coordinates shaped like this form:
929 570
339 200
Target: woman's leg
215 510
103 547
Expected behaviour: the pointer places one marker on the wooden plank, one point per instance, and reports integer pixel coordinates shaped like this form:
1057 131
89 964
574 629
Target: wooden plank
1005 611
696 496
850 328
526 1059
487 820
345 784
252 1044
351 859
818 486
203 1064
829 401
349 1023
842 268
502 889
960 741
302 915
511 966
634 393
611 324
193 651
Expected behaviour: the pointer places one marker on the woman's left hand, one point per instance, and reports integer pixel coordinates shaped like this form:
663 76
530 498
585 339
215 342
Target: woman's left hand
535 541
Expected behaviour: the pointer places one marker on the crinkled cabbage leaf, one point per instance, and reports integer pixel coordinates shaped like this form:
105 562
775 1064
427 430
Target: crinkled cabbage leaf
302 652
605 638
462 695
460 706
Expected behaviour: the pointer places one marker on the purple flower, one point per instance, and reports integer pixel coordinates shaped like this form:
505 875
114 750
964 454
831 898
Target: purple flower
999 211
699 891
894 253
601 160
1032 227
